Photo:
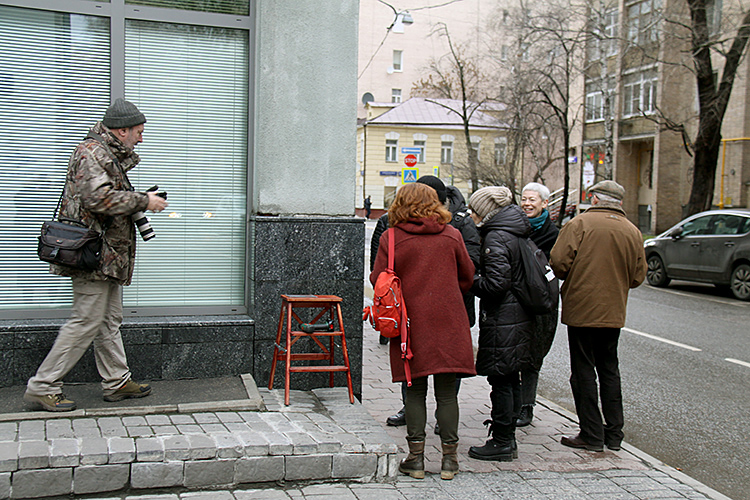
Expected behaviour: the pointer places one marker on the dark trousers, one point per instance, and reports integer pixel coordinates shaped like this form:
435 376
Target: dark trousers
444 385
506 399
529 382
403 390
593 354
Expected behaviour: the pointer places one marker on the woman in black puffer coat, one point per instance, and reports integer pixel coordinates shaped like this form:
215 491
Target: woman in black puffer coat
504 326
534 201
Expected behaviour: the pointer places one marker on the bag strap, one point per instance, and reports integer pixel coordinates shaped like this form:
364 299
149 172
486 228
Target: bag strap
391 248
108 221
406 353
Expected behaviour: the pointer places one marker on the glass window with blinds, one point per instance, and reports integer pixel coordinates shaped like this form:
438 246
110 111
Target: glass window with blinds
195 148
192 83
49 99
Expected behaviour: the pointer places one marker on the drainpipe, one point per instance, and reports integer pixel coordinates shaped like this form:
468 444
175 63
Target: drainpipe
723 161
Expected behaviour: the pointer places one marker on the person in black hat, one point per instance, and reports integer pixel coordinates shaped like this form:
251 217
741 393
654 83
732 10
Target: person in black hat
98 194
454 201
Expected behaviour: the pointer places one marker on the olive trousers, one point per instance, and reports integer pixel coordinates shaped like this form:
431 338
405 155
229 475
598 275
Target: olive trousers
447 408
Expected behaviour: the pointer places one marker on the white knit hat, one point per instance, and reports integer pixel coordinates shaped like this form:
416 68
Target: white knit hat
489 199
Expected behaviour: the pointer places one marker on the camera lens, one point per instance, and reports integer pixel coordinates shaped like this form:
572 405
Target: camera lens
143 225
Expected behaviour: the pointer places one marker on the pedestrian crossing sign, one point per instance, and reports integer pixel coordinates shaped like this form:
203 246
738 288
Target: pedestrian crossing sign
409 175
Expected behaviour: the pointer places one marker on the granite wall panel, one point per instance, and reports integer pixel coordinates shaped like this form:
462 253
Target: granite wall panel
319 256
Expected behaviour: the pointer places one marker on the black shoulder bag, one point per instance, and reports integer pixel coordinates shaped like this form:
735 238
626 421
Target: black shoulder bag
69 242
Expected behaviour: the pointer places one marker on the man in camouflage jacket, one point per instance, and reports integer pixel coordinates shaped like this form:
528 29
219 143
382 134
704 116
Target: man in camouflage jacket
99 194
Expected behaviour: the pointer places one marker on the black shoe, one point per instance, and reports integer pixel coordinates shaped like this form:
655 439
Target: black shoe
501 447
384 340
398 419
526 416
577 442
493 450
613 446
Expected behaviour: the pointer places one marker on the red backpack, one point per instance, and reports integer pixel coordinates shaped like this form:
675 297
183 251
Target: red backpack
388 313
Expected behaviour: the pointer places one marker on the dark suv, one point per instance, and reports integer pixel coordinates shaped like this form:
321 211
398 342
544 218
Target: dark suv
710 247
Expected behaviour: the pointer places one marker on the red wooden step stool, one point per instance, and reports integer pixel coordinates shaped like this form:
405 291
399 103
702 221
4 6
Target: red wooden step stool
329 304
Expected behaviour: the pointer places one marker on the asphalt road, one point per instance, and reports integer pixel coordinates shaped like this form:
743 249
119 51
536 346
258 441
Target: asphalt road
685 365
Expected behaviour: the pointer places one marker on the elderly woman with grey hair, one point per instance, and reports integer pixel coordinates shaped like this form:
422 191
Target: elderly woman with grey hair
534 201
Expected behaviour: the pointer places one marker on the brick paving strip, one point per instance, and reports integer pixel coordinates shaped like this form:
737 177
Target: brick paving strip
320 436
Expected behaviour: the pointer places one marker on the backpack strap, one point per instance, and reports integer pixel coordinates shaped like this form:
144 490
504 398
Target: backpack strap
406 353
391 248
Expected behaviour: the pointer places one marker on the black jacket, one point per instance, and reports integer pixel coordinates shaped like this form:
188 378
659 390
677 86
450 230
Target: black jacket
380 228
461 221
545 325
545 236
504 326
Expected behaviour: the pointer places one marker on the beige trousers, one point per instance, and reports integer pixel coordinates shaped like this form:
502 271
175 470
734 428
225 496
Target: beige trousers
96 317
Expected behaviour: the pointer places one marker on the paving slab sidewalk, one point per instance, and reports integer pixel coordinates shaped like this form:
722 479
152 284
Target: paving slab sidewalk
540 453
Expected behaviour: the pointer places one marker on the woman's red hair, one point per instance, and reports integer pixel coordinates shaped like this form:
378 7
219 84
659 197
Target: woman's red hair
417 201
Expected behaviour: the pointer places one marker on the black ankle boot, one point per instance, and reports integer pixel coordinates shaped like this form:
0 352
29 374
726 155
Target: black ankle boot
499 447
526 416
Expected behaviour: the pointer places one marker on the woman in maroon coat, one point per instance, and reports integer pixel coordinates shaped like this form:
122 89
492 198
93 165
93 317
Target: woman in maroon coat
435 271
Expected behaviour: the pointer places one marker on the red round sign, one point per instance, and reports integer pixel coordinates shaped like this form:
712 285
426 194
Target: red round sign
410 160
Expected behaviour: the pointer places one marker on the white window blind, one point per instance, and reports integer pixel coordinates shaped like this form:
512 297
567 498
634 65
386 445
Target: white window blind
195 148
192 83
54 85
240 7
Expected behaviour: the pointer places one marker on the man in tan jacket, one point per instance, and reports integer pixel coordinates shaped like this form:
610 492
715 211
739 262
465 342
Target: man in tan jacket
600 256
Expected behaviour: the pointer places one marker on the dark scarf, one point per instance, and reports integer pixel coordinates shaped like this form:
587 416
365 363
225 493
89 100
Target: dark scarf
539 221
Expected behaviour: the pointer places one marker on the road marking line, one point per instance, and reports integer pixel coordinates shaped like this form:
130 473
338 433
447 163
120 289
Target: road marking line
666 341
737 361
729 302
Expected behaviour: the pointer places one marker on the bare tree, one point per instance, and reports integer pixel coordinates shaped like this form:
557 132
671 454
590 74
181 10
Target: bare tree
551 50
533 138
712 99
602 41
456 76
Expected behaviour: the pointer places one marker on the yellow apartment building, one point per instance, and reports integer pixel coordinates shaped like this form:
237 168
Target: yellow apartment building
433 134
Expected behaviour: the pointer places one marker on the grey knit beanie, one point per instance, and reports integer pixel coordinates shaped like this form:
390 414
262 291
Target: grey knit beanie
489 200
123 114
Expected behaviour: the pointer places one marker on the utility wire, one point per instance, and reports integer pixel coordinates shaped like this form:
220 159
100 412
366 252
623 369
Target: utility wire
389 28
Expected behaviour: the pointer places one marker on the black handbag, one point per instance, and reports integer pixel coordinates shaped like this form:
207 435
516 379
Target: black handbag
69 243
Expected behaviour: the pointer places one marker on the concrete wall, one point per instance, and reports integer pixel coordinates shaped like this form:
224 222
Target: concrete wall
306 107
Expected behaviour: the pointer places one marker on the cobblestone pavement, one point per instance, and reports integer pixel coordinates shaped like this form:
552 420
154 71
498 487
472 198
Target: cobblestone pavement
500 485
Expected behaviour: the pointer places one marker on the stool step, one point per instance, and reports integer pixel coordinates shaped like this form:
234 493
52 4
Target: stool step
304 356
316 369
297 333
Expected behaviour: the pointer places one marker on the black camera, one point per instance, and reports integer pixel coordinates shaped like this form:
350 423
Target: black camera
142 222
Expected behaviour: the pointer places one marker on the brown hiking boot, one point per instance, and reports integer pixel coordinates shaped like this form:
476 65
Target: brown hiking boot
413 465
131 389
449 466
51 402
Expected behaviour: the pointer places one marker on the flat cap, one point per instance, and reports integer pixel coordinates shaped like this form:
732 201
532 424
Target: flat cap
609 188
